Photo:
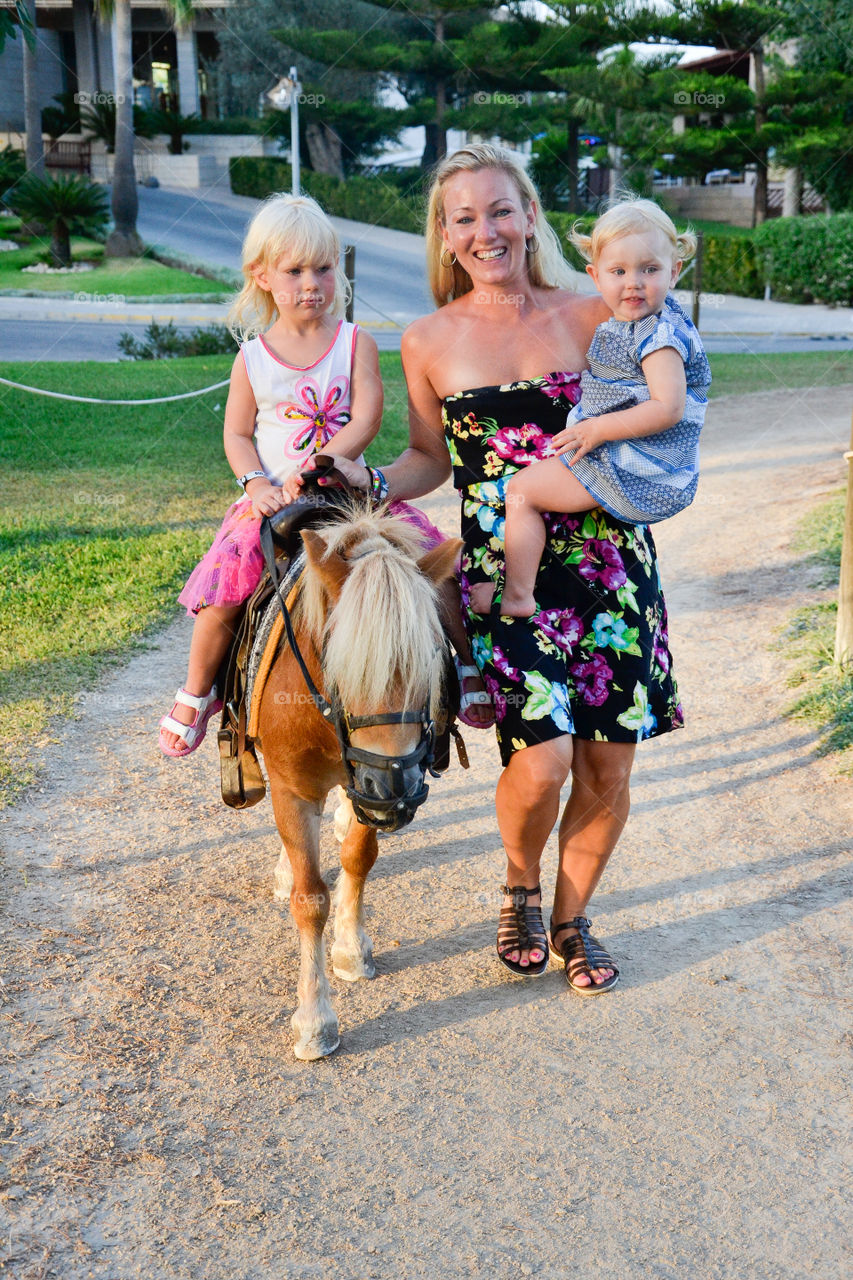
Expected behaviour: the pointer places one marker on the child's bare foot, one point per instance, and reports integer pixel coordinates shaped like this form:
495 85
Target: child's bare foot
481 596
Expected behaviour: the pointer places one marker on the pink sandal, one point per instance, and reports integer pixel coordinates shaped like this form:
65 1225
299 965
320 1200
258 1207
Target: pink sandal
192 735
477 698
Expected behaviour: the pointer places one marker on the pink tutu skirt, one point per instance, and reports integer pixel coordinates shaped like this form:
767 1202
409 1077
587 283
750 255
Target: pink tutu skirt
229 572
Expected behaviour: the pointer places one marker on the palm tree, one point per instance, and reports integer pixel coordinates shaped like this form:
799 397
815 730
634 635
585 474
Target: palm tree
123 241
32 113
66 206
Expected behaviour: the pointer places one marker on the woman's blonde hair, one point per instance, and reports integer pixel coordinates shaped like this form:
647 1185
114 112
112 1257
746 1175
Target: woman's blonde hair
546 267
291 226
628 215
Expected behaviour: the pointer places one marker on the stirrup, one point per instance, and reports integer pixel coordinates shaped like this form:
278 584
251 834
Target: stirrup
580 953
521 928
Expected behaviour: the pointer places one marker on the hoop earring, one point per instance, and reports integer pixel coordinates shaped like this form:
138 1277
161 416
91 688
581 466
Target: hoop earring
452 261
530 246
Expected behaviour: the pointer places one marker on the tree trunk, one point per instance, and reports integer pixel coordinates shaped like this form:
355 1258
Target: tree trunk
792 201
440 99
124 241
616 161
760 206
572 155
32 110
324 150
60 245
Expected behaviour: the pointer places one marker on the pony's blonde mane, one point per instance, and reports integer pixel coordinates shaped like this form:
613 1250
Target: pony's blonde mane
384 631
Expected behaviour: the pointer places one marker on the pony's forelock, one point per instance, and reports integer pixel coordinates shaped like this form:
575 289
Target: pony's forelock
385 629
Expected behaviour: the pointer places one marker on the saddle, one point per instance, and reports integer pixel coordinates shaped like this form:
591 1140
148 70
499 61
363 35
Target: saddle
242 781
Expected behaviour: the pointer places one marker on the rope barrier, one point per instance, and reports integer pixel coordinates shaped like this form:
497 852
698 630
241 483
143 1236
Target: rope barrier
59 395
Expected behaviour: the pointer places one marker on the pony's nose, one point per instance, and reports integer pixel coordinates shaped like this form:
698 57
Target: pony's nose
386 783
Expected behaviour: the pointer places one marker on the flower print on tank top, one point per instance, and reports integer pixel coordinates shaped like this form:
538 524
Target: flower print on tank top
317 416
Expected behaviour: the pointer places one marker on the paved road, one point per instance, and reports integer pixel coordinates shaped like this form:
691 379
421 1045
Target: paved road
391 291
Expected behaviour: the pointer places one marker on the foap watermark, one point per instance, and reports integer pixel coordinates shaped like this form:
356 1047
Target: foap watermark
115 299
88 498
310 99
684 298
99 99
698 99
507 299
481 99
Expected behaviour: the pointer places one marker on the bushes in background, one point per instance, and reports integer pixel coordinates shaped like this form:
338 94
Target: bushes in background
808 259
375 200
805 259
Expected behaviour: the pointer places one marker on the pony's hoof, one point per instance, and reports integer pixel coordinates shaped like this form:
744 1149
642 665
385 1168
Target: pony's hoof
315 1037
352 967
316 1047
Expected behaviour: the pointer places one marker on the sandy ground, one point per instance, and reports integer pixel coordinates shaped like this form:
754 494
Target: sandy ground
691 1124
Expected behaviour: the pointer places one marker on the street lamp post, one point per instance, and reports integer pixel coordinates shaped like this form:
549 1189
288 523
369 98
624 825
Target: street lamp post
294 128
286 94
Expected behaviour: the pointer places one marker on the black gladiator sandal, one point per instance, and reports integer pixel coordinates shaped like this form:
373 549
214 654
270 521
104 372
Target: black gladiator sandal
581 953
521 928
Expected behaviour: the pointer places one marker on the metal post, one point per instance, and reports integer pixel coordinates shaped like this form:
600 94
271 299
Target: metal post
349 272
294 129
844 626
697 275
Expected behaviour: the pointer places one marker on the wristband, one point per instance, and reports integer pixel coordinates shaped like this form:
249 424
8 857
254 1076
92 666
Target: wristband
251 475
378 486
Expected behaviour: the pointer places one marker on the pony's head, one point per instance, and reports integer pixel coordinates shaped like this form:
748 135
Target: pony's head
369 602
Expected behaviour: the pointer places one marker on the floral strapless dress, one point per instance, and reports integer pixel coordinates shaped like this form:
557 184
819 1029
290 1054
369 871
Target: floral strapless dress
594 661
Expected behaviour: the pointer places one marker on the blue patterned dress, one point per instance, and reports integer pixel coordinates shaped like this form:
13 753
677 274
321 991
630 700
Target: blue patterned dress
594 661
651 477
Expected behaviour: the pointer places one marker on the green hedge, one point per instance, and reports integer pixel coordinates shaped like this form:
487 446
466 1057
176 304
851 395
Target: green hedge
808 259
371 200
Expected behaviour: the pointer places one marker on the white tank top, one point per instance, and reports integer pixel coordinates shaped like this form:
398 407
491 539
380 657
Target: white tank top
299 410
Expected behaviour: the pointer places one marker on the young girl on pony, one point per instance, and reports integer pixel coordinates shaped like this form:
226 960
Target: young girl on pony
303 377
632 444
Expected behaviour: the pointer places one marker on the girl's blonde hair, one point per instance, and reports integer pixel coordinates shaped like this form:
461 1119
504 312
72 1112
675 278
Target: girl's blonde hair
284 226
629 215
546 268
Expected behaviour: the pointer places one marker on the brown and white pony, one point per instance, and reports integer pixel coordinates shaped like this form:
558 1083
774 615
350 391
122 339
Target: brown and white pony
368 626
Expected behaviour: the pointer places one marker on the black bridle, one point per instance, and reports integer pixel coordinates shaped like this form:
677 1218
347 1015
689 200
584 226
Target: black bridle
397 808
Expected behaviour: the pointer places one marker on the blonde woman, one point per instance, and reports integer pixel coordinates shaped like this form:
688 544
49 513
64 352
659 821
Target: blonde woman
492 375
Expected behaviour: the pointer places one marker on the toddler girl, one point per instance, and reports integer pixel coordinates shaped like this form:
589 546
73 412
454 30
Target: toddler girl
632 443
303 377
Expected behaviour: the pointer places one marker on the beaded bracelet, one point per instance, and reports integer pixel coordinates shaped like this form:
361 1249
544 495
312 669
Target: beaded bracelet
378 486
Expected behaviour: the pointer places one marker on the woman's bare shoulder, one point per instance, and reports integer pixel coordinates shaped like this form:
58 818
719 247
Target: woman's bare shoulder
583 311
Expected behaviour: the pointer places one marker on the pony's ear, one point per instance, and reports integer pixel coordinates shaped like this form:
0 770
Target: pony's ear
440 562
331 569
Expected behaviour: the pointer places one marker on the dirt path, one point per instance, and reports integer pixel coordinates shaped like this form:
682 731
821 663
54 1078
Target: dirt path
689 1125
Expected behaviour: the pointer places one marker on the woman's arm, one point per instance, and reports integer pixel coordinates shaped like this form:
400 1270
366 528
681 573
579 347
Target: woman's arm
241 412
664 374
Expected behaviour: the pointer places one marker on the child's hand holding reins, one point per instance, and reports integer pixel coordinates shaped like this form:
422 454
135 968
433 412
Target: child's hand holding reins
266 498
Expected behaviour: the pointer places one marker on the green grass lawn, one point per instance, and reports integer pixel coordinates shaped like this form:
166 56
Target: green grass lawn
104 510
122 278
824 695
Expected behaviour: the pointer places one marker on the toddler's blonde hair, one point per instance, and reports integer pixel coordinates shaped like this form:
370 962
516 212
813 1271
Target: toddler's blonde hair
629 215
547 268
285 225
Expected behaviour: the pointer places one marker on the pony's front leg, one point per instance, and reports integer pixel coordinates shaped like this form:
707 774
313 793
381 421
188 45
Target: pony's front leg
352 949
314 1022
